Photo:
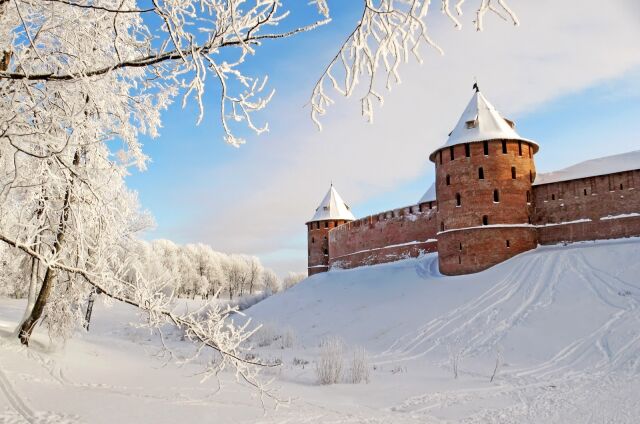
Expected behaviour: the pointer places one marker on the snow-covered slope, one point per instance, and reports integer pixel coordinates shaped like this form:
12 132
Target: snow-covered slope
561 322
565 317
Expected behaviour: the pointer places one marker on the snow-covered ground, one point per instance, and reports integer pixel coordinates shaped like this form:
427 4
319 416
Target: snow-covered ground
562 322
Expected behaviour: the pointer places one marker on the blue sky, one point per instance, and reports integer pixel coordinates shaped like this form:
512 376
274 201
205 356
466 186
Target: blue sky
571 82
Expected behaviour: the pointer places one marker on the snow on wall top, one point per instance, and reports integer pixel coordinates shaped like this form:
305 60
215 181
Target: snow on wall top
332 207
429 195
601 166
480 121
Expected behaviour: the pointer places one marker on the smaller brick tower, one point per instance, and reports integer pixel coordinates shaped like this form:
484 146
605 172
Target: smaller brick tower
333 211
484 176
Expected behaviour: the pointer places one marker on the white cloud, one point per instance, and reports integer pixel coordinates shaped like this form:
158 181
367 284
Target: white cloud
561 47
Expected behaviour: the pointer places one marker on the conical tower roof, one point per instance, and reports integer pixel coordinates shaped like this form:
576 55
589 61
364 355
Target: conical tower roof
332 207
480 121
429 195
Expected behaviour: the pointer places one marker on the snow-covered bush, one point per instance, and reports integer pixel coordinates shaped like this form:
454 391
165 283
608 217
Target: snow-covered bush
288 338
330 364
360 370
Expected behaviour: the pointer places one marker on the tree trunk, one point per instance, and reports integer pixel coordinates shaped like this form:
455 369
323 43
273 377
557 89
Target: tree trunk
31 296
28 325
87 316
47 283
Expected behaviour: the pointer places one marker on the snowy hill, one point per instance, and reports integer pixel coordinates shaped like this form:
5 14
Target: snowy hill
561 322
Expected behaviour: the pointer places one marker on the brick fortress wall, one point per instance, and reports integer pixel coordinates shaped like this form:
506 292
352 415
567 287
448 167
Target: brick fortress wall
385 237
593 208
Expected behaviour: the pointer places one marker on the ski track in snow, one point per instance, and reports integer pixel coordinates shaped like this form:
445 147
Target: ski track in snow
557 384
21 413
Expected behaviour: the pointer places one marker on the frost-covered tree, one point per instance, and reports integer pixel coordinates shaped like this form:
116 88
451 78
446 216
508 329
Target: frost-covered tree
292 279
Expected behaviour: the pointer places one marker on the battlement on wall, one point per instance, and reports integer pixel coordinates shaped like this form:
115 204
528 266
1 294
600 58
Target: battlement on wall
407 211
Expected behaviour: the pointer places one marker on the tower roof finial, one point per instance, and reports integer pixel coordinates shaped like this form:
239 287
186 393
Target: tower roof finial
475 85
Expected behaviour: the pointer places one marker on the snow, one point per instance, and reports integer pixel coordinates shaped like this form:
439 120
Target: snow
429 195
480 121
622 215
601 166
565 319
332 207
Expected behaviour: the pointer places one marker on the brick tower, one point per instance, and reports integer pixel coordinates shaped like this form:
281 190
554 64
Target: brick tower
484 174
333 211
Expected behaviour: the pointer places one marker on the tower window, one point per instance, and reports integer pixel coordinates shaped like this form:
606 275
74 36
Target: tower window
326 224
485 220
442 226
553 197
459 260
513 172
460 246
496 196
504 147
620 186
480 173
519 148
530 176
585 191
448 179
313 240
430 205
458 199
451 152
528 196
326 252
467 150
508 244
485 146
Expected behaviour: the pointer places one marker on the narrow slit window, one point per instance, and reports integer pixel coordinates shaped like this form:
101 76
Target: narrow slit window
326 224
620 186
485 220
496 196
508 244
458 199
451 153
519 148
504 147
480 173
313 240
467 150
585 191
528 196
513 172
459 260
553 197
530 176
442 226
460 247
448 179
485 146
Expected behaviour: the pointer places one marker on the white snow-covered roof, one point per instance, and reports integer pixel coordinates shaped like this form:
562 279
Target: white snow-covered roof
480 121
332 207
601 166
429 195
